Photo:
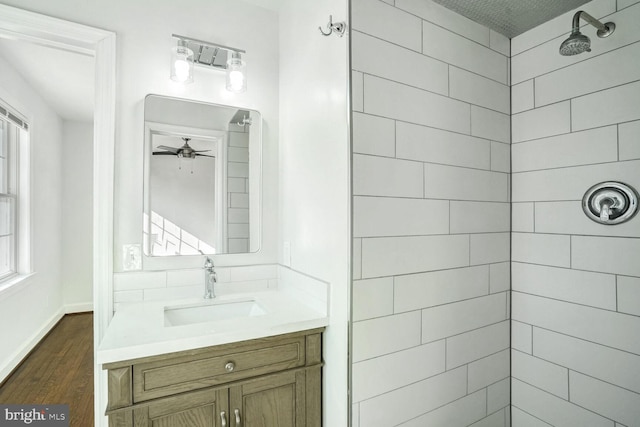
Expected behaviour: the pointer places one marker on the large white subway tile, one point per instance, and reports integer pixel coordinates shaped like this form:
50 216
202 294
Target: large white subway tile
478 217
450 182
398 101
542 122
372 298
189 277
606 399
453 49
387 256
499 277
540 373
493 420
474 345
573 149
440 15
569 218
386 216
499 396
416 399
490 124
629 140
374 135
558 26
629 295
522 419
626 3
433 145
552 409
521 337
382 176
563 84
452 319
591 324
357 91
376 337
415 291
488 370
615 105
400 64
459 413
582 287
357 258
386 373
373 17
522 97
587 254
571 183
489 248
140 280
500 157
478 90
522 217
500 43
545 58
598 361
253 272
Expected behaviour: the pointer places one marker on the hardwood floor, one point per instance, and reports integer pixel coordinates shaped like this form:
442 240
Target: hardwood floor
58 371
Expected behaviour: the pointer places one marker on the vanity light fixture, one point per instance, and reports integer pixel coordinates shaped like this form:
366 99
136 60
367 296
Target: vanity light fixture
210 55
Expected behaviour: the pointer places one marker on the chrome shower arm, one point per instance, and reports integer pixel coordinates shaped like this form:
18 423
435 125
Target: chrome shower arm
590 19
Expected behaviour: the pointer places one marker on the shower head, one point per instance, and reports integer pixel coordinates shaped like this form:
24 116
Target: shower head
578 42
575 44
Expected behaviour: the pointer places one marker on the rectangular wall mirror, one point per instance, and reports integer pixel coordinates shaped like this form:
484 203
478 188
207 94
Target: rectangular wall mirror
202 170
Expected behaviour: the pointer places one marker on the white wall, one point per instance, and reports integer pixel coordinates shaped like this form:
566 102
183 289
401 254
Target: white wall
576 283
77 224
314 173
30 308
430 218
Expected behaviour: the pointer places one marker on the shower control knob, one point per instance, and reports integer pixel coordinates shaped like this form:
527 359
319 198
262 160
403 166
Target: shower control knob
610 203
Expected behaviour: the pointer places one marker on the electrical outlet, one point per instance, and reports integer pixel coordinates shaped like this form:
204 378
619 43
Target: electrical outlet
131 257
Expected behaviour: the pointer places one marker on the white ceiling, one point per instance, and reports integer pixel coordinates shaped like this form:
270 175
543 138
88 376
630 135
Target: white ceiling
65 80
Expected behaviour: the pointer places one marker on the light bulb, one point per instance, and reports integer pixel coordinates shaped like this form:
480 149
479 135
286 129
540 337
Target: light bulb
181 63
236 74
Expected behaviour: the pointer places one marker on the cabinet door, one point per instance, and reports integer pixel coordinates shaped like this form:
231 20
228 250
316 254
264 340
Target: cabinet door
195 409
276 400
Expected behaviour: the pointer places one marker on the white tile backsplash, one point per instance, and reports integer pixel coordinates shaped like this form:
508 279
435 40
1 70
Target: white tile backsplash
372 298
373 17
615 105
489 248
459 413
379 336
587 254
448 182
490 124
522 97
478 90
477 217
629 295
539 373
488 370
629 140
474 345
382 176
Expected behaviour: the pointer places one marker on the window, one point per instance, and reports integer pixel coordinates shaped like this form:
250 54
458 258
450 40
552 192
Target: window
13 135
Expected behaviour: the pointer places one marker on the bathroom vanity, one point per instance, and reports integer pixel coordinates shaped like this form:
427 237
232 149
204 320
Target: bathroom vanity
251 368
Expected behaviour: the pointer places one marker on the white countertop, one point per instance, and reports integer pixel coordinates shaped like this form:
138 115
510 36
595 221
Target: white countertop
138 329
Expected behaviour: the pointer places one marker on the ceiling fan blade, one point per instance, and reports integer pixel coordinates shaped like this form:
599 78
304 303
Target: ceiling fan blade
200 151
172 149
205 155
164 153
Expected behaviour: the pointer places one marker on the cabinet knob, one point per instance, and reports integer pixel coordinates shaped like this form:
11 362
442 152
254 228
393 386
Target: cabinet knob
230 366
223 419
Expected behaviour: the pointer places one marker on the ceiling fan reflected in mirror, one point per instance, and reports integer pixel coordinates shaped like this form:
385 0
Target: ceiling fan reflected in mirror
184 152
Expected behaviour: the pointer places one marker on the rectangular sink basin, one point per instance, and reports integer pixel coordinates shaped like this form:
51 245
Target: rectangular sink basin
211 312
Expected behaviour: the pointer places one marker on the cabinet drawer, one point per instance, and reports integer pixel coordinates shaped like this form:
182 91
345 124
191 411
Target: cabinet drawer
217 365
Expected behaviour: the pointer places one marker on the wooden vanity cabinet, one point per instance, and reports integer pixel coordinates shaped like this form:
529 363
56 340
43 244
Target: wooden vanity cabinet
268 382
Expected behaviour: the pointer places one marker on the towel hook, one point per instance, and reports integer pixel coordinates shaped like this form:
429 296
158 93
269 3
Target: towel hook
337 27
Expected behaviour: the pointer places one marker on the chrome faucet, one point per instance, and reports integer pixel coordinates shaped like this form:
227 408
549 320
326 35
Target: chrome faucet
210 278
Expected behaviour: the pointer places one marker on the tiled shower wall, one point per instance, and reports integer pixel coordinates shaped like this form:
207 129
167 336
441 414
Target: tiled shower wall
576 284
431 218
